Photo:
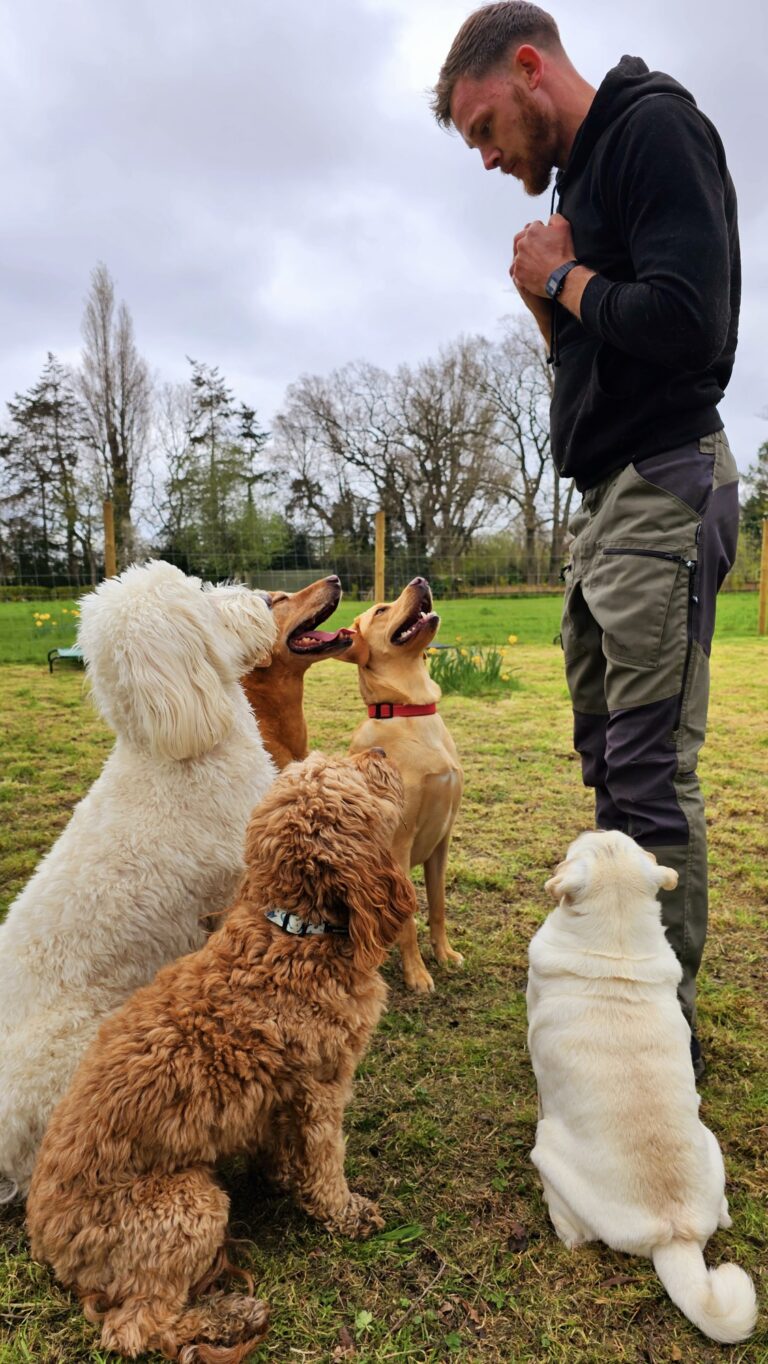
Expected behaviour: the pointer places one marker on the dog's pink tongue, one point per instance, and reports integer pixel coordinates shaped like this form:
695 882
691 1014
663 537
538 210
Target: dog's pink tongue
310 637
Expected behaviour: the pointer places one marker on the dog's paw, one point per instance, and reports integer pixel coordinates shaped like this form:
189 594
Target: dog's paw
229 1324
418 978
360 1218
445 954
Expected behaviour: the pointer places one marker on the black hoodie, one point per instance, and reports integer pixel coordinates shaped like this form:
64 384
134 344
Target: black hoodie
653 210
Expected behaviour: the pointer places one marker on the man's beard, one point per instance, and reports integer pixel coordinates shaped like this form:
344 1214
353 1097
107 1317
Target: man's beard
541 147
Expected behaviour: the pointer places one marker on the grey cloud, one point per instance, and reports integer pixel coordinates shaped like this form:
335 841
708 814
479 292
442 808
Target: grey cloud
272 195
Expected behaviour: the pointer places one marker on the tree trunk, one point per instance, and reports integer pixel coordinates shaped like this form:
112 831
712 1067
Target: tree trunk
560 516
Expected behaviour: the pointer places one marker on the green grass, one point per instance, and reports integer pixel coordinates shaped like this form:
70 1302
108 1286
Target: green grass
535 620
23 640
444 1109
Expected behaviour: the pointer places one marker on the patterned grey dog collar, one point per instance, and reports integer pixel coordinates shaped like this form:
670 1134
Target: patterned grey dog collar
301 928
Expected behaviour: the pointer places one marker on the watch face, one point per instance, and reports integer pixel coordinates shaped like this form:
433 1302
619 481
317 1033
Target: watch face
557 279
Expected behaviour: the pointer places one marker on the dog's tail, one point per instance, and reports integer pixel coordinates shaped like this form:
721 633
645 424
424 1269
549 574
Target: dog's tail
9 1190
721 1302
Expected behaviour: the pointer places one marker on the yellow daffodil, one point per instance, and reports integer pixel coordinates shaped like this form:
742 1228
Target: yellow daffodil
464 653
39 624
505 677
458 639
433 652
53 622
46 615
511 639
477 660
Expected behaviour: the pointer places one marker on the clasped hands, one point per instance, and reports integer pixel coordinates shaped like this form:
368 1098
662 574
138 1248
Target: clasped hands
538 250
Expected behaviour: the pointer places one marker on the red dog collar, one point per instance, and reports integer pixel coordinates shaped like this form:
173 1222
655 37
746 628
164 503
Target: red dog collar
391 710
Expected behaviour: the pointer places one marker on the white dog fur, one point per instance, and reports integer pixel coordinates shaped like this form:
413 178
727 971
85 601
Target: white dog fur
620 1148
155 846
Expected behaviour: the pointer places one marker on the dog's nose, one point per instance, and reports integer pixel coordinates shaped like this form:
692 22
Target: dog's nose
333 578
418 582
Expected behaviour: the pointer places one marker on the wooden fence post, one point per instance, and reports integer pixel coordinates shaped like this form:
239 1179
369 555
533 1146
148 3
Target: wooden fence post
378 577
762 619
110 558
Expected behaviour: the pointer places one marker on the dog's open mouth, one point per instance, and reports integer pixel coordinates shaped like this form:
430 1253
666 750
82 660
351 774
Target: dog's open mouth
415 625
307 639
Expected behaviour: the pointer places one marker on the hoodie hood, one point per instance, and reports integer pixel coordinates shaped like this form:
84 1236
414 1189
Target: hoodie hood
623 86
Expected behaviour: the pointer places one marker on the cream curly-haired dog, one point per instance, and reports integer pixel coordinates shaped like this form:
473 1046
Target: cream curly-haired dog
155 845
248 1045
622 1153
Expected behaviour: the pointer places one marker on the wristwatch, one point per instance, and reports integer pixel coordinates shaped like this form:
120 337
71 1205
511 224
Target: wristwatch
554 284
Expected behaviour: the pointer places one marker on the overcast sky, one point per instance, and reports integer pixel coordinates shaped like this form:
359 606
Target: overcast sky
270 193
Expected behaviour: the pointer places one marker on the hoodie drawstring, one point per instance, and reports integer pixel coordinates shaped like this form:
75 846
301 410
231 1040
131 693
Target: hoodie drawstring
554 348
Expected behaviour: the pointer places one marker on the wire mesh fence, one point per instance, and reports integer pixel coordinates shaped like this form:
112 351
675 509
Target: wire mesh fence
496 567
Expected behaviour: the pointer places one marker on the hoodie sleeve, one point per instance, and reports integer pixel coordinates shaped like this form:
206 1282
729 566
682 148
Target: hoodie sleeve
666 194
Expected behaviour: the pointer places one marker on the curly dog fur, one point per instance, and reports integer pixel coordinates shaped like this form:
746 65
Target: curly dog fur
156 844
248 1045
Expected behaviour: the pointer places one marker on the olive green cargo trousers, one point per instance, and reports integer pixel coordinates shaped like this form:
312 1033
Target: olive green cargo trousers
650 548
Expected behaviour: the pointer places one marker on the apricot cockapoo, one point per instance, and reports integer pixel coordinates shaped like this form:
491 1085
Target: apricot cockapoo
248 1045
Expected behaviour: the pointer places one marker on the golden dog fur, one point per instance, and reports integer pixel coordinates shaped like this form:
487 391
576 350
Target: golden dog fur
248 1045
276 691
389 643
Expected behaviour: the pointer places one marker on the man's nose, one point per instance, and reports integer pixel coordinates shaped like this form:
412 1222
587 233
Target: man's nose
491 159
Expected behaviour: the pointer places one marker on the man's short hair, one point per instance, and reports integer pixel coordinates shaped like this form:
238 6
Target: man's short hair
483 41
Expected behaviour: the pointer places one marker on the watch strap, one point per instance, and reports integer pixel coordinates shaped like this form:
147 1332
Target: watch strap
554 285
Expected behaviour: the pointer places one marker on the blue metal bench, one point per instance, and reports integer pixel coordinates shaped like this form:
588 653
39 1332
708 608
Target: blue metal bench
75 652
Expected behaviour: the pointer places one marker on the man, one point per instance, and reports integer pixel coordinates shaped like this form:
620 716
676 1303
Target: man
635 285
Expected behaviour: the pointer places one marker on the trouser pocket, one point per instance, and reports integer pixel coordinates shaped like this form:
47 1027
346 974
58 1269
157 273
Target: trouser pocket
640 597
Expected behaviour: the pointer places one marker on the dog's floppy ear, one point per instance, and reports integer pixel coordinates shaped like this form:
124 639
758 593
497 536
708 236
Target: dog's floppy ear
666 878
359 651
570 880
246 615
661 878
177 699
157 661
380 898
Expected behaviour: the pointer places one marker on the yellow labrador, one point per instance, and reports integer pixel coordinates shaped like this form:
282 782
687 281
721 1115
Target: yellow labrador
389 644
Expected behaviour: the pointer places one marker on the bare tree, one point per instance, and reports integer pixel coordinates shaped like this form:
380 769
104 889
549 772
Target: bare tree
173 422
517 382
336 437
419 444
116 388
455 478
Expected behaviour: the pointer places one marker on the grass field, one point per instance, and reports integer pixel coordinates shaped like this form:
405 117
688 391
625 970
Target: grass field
444 1110
535 620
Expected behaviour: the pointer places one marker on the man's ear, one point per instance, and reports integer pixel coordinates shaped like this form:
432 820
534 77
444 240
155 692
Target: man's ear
528 61
570 880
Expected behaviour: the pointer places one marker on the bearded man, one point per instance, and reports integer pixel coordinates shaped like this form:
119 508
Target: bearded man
635 285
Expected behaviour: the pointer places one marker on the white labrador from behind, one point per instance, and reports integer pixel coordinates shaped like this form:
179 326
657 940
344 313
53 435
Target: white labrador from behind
622 1153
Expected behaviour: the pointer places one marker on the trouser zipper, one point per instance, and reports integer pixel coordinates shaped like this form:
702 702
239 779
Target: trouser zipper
690 564
693 601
